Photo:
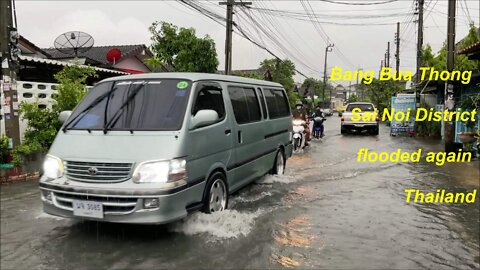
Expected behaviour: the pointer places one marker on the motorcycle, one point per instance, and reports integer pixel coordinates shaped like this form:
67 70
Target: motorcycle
318 127
298 134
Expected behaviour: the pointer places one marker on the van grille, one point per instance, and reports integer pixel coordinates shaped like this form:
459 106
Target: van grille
98 172
111 205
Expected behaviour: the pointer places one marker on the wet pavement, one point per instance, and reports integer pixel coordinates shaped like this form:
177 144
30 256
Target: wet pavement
328 211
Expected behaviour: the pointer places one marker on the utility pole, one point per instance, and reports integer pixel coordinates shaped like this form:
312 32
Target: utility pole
388 54
329 48
228 40
449 132
397 42
381 67
277 69
419 51
9 51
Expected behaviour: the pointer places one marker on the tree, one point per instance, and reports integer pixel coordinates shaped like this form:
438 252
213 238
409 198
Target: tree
72 86
381 92
352 98
282 72
43 123
462 63
181 49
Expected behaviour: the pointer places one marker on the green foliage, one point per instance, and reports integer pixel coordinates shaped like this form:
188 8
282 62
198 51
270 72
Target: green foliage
3 149
352 98
439 61
43 124
312 83
282 72
72 86
427 128
470 103
251 75
181 49
380 92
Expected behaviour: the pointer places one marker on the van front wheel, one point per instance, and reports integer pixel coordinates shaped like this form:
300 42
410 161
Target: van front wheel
279 164
216 197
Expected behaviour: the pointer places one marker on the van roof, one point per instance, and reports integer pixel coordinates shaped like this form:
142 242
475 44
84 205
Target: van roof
194 77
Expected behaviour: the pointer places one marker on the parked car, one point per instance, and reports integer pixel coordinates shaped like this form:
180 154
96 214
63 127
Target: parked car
364 118
327 111
152 148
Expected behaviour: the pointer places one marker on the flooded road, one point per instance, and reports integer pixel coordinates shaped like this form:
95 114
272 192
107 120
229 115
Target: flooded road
328 211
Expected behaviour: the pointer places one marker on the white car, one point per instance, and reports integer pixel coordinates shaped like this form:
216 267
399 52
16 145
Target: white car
360 116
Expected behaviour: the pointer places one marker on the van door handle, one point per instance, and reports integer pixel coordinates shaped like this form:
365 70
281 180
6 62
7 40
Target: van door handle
228 131
239 136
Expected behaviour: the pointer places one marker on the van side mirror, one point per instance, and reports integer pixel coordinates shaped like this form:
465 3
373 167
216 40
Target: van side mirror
63 116
340 114
203 118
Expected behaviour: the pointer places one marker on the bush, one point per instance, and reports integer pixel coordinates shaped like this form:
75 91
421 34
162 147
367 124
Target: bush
43 124
3 149
427 128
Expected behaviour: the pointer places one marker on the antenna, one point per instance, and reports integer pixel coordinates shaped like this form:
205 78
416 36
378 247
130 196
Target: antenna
73 42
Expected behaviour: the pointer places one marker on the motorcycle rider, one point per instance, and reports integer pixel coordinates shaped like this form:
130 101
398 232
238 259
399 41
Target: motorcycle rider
301 113
318 113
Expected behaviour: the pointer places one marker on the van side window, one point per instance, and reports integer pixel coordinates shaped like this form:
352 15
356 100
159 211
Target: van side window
277 103
262 102
210 97
245 104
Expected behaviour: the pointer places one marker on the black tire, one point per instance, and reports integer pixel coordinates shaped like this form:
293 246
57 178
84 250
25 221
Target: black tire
214 179
277 169
376 131
343 131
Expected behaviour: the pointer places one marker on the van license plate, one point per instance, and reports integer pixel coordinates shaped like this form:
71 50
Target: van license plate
87 209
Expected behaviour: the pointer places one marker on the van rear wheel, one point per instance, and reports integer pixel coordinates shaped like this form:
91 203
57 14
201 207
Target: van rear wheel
279 163
216 194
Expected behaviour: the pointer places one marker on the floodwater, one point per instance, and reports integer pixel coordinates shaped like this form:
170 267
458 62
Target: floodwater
328 211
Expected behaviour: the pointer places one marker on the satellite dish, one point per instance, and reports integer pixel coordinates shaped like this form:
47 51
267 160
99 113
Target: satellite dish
113 55
73 42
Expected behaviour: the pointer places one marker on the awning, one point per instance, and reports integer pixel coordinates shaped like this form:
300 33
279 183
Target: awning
63 63
132 71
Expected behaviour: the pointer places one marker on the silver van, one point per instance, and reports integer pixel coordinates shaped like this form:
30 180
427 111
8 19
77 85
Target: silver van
152 148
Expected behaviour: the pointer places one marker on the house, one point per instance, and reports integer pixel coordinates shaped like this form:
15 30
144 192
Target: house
340 92
37 67
131 57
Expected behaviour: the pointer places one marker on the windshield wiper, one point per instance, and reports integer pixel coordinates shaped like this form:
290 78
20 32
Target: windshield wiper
89 107
120 110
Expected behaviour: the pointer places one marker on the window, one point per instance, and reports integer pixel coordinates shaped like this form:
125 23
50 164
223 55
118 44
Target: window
262 102
363 107
210 97
147 105
42 95
277 103
27 95
245 104
42 86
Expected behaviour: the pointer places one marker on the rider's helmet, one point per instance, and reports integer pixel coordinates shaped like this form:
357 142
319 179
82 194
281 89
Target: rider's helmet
298 105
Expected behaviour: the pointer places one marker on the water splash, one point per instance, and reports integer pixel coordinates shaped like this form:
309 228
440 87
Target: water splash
253 197
270 179
222 225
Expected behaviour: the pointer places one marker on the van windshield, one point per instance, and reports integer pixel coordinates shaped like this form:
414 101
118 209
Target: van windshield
133 105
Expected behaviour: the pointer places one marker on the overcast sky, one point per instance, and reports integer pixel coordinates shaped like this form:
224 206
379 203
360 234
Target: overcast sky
360 33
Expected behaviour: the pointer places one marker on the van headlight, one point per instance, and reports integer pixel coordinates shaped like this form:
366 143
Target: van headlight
165 171
52 167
